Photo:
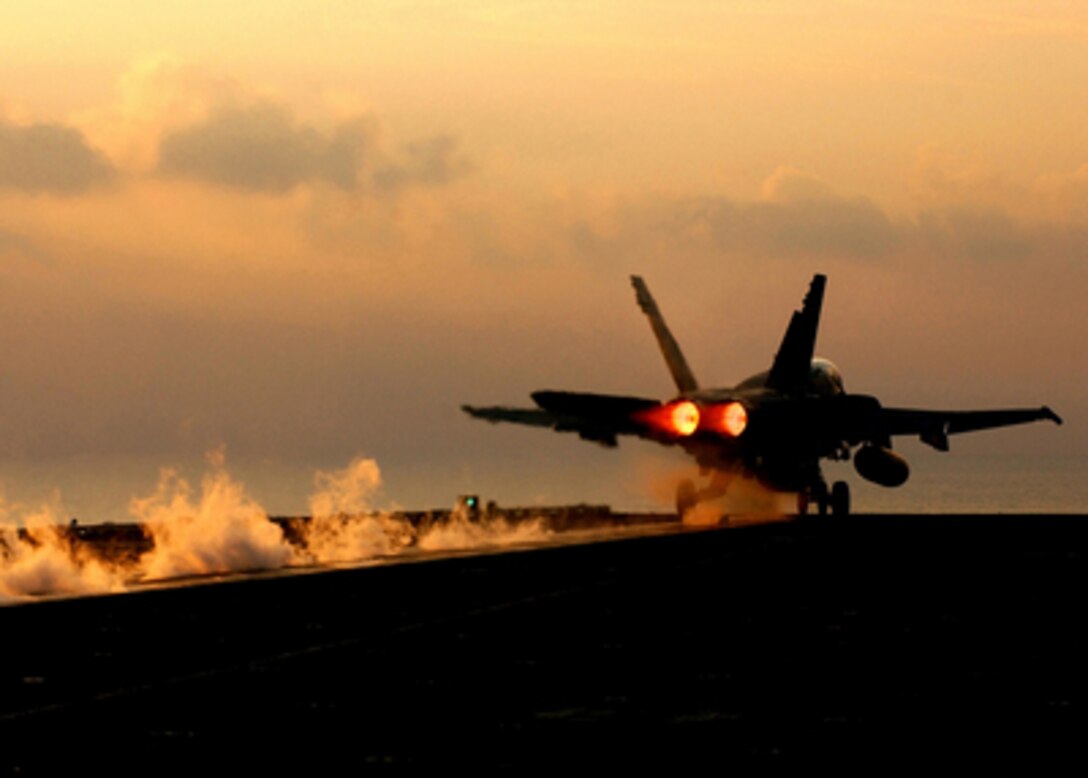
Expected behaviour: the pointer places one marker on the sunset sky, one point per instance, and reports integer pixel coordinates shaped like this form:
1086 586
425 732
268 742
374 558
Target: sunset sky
304 232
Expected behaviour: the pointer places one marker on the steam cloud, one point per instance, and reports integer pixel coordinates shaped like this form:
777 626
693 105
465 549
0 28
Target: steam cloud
43 560
460 531
343 526
221 529
746 501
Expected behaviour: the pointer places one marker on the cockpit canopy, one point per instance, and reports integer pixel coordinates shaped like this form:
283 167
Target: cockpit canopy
824 378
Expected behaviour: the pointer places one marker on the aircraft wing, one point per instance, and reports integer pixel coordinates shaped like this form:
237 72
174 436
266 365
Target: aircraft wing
934 427
597 417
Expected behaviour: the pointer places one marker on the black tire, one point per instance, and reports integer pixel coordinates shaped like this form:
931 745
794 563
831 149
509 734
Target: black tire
821 498
840 499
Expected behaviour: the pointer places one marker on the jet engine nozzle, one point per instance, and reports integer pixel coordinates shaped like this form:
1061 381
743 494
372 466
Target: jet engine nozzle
881 465
729 419
683 418
677 419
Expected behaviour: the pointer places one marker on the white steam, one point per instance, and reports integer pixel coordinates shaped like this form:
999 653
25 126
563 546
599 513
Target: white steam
343 525
221 529
745 500
43 559
460 531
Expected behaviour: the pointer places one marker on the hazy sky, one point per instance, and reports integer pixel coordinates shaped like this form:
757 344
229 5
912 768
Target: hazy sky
310 232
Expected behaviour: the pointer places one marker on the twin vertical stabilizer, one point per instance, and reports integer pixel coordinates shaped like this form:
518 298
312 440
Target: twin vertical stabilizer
678 366
793 362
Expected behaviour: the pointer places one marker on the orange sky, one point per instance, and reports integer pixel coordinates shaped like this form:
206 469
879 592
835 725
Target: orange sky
307 234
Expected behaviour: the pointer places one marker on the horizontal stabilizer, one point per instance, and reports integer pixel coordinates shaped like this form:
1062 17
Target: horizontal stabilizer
934 427
597 406
597 417
534 417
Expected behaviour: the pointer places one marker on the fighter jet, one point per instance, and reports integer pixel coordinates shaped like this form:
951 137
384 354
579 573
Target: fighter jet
775 426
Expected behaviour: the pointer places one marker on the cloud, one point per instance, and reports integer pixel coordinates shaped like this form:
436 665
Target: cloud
787 227
800 213
262 147
175 120
839 227
431 161
16 250
799 216
50 158
1065 193
941 177
975 233
790 185
158 94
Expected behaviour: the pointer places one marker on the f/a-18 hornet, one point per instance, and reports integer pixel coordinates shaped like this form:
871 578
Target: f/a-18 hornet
775 426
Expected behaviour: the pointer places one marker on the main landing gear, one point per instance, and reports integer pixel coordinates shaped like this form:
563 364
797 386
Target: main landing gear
836 501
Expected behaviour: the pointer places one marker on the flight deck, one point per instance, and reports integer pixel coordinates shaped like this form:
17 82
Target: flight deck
869 641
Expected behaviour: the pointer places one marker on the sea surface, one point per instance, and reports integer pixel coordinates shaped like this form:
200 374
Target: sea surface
978 484
102 491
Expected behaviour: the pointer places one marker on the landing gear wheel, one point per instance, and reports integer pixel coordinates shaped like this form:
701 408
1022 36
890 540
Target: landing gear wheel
820 497
686 498
840 499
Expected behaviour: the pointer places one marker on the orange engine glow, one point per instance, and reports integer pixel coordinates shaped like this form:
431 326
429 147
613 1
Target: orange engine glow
679 418
684 418
729 419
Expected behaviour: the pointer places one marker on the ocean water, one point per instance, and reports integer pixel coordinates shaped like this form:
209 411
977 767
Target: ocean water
978 484
96 491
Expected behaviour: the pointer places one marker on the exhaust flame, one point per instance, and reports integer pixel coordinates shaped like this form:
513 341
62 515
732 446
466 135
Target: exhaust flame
682 419
679 419
728 419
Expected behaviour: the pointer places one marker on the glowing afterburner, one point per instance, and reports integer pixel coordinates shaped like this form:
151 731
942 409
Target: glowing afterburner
684 418
678 419
729 419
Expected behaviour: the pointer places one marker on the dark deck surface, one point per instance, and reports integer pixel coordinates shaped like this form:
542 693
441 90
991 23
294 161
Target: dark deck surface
872 643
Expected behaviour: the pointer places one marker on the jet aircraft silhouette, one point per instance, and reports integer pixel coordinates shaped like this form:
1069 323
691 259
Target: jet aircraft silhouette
775 426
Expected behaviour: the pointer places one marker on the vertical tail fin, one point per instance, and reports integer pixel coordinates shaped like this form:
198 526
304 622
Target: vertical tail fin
678 366
794 358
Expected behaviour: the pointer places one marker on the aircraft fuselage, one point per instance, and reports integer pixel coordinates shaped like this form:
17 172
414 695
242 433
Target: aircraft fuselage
775 426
